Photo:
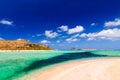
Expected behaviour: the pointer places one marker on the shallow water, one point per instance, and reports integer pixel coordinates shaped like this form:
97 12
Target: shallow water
18 64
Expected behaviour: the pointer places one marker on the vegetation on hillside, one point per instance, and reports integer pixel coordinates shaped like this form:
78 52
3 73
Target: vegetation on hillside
21 45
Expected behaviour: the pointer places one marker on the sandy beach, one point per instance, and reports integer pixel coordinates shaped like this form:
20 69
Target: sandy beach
25 50
94 69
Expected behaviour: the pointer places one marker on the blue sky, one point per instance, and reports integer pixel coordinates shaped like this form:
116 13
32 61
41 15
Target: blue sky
62 24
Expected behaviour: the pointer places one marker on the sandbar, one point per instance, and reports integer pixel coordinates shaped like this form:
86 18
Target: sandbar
92 69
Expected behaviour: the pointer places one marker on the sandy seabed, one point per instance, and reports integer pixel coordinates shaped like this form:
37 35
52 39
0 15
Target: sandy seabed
94 69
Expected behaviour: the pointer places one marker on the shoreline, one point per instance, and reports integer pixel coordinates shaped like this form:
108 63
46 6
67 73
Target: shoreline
92 68
23 50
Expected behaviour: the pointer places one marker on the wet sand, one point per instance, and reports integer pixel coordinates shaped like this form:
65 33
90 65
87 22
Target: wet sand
94 69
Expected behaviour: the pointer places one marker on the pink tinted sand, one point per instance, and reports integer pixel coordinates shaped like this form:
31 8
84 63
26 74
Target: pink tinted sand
95 69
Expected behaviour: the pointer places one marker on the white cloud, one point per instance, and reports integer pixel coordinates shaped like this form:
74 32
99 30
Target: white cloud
76 35
69 40
1 38
109 34
114 23
51 34
93 24
77 29
39 35
63 37
6 22
44 41
20 39
73 38
63 28
33 36
58 41
89 39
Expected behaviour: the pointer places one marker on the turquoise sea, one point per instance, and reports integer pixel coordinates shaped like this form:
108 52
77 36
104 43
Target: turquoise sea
17 64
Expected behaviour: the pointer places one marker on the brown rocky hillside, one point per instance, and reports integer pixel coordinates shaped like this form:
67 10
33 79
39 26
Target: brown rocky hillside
21 45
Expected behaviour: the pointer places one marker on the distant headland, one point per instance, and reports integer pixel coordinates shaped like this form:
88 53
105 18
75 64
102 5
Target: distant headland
21 44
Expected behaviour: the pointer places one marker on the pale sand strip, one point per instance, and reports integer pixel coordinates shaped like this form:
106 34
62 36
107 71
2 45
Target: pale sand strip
95 69
25 50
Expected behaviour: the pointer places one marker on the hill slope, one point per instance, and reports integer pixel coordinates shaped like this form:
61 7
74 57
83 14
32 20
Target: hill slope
21 45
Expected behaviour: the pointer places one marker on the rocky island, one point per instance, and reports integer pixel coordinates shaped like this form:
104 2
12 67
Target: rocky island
21 45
